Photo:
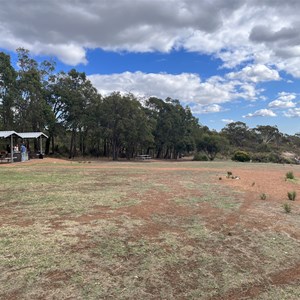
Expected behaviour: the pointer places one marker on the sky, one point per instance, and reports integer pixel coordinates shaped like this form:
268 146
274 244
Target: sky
228 60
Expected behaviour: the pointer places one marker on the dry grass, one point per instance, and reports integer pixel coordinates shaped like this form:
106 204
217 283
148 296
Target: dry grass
141 231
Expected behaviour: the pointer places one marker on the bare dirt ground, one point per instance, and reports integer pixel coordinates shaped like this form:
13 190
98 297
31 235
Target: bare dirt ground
182 194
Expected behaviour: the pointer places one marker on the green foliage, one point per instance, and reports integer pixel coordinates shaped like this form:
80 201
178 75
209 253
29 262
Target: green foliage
125 123
8 91
237 133
212 144
287 207
292 195
272 157
263 196
267 133
289 175
174 127
275 158
241 156
32 108
200 157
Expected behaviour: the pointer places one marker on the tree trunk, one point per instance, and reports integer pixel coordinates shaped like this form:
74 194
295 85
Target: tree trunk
115 150
72 143
167 154
52 144
104 148
47 148
158 152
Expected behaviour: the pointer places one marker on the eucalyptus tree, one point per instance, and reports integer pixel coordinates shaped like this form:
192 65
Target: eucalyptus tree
138 135
174 127
8 93
31 109
211 144
73 93
266 133
97 142
125 124
238 134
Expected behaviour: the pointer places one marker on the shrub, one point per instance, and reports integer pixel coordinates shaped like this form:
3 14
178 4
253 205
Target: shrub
263 196
241 156
229 173
275 158
259 157
287 208
200 157
290 175
269 157
292 195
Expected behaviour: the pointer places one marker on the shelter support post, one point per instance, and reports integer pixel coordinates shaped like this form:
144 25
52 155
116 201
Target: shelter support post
11 149
41 145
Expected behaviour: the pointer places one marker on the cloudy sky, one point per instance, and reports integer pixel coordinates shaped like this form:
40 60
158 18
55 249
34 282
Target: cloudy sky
229 60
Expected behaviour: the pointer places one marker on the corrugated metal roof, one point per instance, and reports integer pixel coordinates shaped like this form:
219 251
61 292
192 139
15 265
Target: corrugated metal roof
6 134
32 135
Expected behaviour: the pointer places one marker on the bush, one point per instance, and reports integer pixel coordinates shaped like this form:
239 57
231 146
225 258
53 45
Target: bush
200 157
287 207
263 196
241 156
260 157
292 195
275 158
290 175
269 157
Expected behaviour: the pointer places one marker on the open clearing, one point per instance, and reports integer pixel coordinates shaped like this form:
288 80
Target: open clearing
148 230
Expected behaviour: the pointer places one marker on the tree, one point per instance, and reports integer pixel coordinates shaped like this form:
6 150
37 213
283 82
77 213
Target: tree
8 91
237 133
266 133
173 127
125 124
73 93
32 109
212 144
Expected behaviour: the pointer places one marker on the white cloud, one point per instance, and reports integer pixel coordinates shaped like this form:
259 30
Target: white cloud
255 73
284 100
234 31
284 96
186 87
206 109
281 104
261 113
292 113
227 121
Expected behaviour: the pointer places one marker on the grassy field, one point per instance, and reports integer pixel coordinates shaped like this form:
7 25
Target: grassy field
148 230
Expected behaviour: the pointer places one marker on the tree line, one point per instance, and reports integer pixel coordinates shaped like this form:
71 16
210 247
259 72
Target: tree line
80 121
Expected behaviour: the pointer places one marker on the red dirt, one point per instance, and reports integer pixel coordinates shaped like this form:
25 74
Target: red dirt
253 213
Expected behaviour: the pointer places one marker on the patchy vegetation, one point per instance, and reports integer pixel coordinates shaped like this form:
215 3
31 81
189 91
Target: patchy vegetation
109 230
290 175
241 156
292 195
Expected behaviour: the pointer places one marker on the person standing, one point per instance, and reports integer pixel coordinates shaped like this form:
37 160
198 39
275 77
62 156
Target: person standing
23 152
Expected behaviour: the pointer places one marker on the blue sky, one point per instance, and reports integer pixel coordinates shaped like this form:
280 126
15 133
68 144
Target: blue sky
228 60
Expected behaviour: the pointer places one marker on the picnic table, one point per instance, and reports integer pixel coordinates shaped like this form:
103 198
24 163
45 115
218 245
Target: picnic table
5 159
143 156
